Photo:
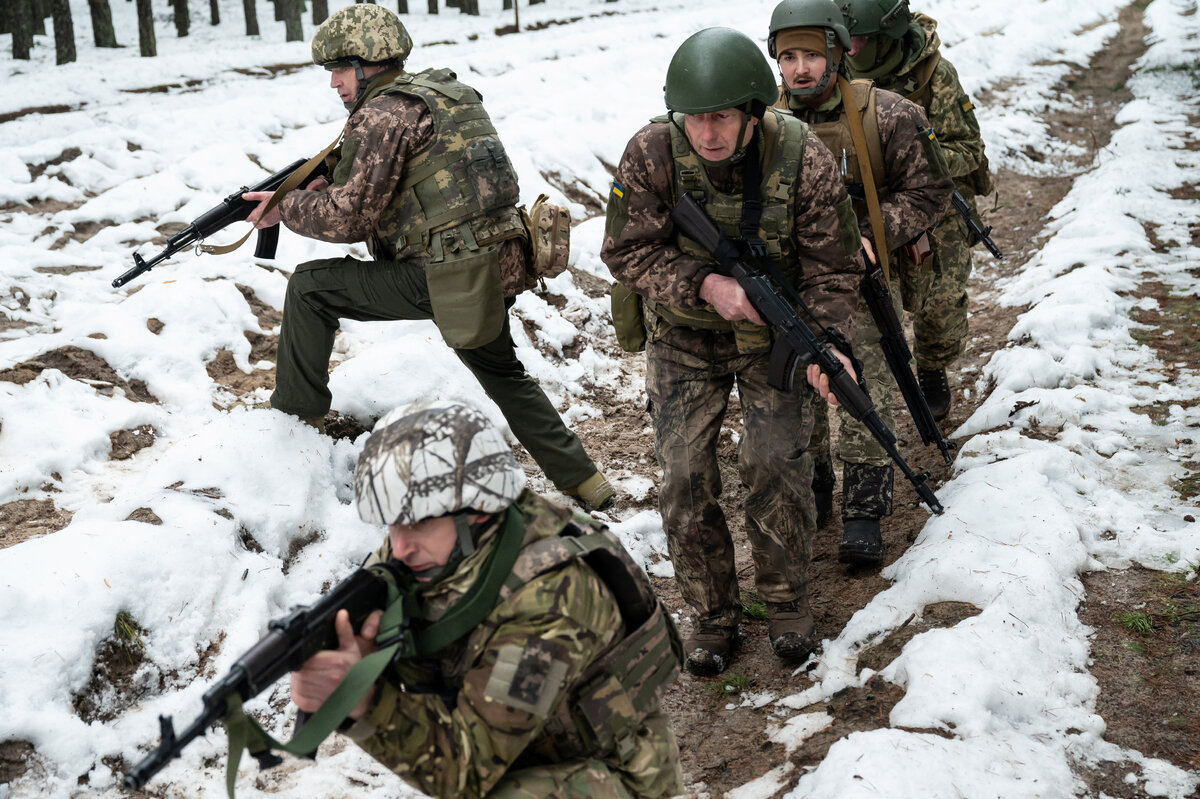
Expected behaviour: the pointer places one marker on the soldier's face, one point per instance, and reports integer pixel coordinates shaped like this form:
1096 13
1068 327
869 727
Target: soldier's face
714 136
425 545
343 80
801 69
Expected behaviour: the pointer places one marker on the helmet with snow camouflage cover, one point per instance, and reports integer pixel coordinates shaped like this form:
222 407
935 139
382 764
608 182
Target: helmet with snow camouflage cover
364 31
715 69
431 460
807 14
865 17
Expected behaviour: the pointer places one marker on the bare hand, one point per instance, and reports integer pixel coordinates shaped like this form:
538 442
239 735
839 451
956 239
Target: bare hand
820 381
729 299
324 671
256 216
868 249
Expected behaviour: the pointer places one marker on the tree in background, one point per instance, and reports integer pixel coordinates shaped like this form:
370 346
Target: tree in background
251 17
214 12
320 11
64 31
102 25
147 44
182 19
39 18
21 23
291 20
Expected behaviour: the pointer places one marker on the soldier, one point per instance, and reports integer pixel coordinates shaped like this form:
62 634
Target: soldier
908 193
899 51
551 652
422 177
762 178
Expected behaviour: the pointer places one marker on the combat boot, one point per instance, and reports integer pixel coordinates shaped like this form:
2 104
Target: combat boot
791 630
936 388
710 650
862 543
595 492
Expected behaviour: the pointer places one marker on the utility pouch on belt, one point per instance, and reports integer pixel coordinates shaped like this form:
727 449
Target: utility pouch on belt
549 229
467 297
628 318
917 250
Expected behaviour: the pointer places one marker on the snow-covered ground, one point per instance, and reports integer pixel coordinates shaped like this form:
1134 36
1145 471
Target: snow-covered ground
1025 516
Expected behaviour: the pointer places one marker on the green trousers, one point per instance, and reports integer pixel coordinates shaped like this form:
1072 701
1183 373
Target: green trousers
320 293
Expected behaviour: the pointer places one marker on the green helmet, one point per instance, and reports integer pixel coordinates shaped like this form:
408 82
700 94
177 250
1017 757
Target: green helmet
865 17
715 69
364 32
807 14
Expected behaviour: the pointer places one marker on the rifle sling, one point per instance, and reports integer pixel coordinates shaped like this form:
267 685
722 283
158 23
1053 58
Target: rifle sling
874 211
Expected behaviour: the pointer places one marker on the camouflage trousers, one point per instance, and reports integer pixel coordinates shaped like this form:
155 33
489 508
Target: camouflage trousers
689 376
936 295
655 772
856 446
321 293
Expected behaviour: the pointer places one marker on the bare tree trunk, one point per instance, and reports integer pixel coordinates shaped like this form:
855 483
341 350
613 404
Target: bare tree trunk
291 20
433 6
147 43
64 32
102 25
182 18
39 18
402 6
251 17
214 12
22 29
471 7
320 11
278 9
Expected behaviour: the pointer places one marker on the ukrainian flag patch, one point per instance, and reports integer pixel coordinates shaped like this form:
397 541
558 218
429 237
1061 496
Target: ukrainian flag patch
617 190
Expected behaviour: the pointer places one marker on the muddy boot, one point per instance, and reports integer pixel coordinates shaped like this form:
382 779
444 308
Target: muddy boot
596 493
862 543
822 485
710 650
791 630
936 389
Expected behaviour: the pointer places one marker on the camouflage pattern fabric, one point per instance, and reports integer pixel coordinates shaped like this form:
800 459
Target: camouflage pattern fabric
690 373
912 198
937 298
473 721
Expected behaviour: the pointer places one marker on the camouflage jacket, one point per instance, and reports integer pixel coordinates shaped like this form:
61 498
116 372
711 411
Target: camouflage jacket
455 724
949 109
641 250
380 137
914 190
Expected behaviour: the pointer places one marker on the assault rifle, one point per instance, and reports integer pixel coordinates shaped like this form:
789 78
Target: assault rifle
232 209
796 343
289 642
974 224
899 356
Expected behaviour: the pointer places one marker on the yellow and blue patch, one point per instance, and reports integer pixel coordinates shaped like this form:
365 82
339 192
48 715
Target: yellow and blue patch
617 189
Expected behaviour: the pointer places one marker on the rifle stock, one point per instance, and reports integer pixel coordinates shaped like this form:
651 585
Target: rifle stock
289 642
232 209
795 343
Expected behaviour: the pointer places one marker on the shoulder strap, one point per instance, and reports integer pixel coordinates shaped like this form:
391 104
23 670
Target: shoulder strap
864 164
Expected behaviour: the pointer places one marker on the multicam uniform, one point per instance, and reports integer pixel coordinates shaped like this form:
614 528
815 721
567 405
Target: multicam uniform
421 177
936 293
694 357
913 195
504 712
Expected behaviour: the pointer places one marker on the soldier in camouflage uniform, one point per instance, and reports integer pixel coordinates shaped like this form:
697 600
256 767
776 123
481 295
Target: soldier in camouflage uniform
422 177
899 51
549 681
910 190
703 336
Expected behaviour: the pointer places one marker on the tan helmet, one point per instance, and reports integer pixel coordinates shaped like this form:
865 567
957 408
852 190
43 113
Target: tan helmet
364 32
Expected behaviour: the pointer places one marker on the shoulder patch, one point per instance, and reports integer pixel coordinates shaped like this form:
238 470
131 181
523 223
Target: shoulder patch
527 678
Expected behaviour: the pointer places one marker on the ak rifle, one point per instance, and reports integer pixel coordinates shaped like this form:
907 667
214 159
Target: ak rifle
975 224
232 209
795 342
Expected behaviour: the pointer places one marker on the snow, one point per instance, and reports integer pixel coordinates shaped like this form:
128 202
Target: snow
1025 517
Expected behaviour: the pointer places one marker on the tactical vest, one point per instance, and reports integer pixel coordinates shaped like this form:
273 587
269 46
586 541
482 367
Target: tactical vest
784 138
616 693
835 134
460 192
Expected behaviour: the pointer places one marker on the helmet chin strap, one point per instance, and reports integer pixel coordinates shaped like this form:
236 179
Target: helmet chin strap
831 69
